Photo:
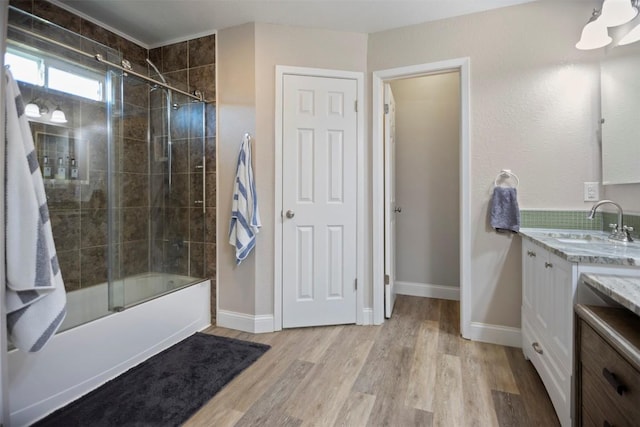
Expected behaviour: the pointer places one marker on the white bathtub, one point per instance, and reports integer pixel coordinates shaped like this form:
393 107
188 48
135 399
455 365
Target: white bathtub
83 357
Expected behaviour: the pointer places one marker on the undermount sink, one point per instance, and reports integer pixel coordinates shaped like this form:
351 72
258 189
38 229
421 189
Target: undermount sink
581 241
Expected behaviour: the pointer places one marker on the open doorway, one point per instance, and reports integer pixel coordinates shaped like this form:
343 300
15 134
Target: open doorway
420 277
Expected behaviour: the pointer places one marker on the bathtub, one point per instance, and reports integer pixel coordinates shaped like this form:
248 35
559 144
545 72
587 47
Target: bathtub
85 355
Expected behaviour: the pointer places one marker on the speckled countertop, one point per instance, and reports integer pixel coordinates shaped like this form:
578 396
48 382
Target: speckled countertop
584 246
622 289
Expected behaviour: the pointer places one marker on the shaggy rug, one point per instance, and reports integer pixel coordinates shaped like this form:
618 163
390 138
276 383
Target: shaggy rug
164 390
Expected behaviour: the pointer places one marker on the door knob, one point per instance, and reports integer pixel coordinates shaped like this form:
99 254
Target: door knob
290 214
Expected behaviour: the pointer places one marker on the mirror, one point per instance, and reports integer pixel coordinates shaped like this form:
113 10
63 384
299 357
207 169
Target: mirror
620 106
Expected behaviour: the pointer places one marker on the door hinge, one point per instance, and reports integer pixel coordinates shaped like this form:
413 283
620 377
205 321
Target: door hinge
387 279
355 105
355 283
386 108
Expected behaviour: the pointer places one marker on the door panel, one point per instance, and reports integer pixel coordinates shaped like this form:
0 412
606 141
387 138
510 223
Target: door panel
389 201
319 201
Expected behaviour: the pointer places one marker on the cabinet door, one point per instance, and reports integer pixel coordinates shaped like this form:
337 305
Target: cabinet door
560 280
529 277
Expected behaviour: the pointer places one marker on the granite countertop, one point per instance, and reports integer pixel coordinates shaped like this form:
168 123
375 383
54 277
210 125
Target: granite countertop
622 289
584 246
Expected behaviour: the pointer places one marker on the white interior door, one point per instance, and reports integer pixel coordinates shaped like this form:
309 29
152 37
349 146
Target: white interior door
319 127
390 208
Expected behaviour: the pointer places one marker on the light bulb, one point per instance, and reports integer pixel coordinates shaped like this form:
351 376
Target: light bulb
58 116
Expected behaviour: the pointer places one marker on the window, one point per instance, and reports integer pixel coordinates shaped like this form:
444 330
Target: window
26 68
55 74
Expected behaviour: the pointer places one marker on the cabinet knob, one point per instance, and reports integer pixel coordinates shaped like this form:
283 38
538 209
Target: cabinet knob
531 253
537 348
614 381
548 265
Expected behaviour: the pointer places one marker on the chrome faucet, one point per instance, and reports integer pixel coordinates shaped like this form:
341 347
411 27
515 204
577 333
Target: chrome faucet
619 231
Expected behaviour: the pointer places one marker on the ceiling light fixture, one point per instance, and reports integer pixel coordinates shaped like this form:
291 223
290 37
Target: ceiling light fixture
617 12
594 34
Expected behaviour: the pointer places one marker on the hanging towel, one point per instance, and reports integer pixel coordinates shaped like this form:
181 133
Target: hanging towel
35 295
505 214
245 216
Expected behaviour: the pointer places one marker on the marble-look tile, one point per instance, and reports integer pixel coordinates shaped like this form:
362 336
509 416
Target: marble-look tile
97 33
179 194
135 257
63 195
93 266
176 254
180 122
135 157
203 79
196 225
135 189
210 260
93 227
155 56
196 261
178 80
57 15
70 269
210 154
202 51
196 152
98 148
210 225
176 223
197 120
174 57
135 122
65 226
211 190
210 120
136 91
135 224
26 5
625 290
135 54
94 194
180 156
196 189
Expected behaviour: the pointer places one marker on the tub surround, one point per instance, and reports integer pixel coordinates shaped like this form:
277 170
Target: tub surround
584 246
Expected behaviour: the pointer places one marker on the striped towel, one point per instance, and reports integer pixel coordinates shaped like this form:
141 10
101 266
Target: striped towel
35 295
245 217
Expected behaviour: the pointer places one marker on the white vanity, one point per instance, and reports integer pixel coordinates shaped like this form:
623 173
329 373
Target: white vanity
552 262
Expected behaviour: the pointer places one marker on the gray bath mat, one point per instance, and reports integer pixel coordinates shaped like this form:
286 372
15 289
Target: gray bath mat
166 389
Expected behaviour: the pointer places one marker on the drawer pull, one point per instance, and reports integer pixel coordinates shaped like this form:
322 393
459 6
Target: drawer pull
613 380
537 348
548 265
531 253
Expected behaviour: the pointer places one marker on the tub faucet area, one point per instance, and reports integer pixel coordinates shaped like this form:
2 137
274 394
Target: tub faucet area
619 231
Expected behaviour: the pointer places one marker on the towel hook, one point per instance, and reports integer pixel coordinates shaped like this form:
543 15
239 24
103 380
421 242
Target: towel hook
506 174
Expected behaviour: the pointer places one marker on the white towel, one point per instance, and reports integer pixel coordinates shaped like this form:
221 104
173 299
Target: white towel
245 216
35 295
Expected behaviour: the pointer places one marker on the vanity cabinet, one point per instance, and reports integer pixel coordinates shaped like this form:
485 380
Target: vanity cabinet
550 289
547 312
607 367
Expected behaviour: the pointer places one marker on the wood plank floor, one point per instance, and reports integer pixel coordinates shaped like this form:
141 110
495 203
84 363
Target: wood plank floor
414 370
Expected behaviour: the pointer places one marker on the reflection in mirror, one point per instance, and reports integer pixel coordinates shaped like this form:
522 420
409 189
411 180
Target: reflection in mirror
620 109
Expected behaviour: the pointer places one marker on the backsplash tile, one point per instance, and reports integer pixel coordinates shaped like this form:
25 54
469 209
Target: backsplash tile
575 220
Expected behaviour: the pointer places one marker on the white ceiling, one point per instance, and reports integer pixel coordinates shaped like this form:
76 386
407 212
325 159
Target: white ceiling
155 23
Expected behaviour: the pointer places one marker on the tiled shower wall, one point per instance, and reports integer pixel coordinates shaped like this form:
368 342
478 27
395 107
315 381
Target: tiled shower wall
80 222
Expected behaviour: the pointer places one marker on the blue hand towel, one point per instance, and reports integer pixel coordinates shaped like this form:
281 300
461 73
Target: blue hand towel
505 213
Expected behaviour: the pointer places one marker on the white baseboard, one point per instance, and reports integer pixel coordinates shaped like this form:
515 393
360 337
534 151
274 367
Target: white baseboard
245 322
367 316
428 291
495 334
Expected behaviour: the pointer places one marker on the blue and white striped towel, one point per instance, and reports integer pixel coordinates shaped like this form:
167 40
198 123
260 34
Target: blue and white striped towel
35 295
245 216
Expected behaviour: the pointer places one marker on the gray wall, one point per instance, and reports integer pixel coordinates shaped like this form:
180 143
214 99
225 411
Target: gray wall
427 179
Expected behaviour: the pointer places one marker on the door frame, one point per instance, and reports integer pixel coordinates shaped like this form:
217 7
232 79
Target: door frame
378 79
281 71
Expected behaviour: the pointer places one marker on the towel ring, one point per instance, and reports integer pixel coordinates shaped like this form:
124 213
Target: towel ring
506 174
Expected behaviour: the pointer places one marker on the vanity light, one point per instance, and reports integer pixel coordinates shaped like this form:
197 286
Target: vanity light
32 110
594 34
617 12
633 35
58 116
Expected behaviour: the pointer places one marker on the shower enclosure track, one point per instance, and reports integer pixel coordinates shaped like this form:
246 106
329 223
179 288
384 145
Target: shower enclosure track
197 95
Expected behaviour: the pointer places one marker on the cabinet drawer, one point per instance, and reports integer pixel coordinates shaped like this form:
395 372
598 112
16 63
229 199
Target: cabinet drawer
597 408
603 369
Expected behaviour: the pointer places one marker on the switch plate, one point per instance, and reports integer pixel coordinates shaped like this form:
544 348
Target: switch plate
591 191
